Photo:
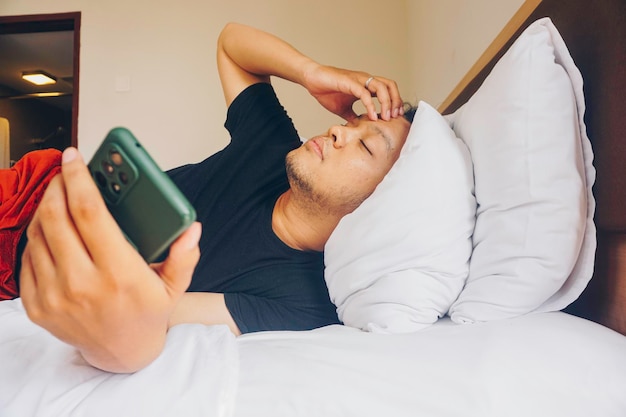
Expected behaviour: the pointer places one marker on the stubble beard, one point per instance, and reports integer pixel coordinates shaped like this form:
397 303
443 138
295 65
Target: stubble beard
314 200
301 185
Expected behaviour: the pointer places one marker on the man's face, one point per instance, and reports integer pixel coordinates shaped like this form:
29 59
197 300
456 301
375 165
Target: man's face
341 168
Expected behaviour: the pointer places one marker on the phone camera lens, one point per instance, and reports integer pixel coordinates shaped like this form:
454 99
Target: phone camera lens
116 158
108 168
123 178
116 187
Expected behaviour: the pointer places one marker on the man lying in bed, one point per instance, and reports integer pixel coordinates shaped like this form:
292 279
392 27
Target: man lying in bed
264 227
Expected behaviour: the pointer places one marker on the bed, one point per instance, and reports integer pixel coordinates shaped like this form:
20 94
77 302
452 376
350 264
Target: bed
515 306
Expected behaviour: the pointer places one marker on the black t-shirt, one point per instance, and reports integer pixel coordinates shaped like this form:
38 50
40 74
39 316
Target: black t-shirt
267 285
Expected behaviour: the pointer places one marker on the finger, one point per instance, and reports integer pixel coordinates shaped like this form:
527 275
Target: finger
95 225
349 115
177 269
41 263
367 100
388 95
396 103
38 288
52 230
28 282
379 89
344 107
28 287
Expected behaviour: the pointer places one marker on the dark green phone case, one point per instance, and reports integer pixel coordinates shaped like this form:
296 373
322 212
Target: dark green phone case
149 208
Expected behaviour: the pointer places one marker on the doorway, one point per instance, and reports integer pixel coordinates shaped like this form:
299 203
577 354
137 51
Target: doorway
39 116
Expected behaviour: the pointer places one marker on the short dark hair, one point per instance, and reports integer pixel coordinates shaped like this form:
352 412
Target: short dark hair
409 111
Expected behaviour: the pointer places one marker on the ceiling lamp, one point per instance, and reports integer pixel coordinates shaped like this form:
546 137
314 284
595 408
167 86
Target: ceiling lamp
38 77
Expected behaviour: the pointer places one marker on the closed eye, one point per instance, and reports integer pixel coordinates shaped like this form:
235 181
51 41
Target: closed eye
366 148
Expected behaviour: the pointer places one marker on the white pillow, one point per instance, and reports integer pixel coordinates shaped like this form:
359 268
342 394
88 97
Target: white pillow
398 261
534 242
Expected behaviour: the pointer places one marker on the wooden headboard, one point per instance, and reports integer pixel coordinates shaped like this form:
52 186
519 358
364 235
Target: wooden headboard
595 34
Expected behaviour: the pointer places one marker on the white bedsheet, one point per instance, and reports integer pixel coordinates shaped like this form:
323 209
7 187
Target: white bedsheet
547 364
196 375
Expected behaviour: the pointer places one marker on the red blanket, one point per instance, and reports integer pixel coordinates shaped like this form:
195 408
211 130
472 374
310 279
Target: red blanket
21 189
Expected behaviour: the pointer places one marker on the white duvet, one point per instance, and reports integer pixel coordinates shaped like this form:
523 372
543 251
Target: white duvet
196 375
545 364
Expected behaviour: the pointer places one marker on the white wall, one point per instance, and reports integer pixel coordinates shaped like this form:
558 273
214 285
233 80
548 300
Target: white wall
447 37
167 49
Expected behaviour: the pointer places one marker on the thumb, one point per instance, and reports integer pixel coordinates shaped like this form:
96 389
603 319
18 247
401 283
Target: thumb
348 115
178 267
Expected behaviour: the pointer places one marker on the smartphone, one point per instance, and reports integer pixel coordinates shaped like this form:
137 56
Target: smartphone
149 208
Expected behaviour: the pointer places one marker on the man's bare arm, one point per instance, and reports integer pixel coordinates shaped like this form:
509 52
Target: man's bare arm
203 308
246 55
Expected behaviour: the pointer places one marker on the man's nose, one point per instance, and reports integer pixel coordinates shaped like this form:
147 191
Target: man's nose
341 135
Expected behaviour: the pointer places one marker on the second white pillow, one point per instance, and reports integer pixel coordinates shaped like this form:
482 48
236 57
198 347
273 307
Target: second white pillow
532 163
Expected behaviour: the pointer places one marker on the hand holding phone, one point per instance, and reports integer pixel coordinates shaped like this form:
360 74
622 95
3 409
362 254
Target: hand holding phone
81 283
149 208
